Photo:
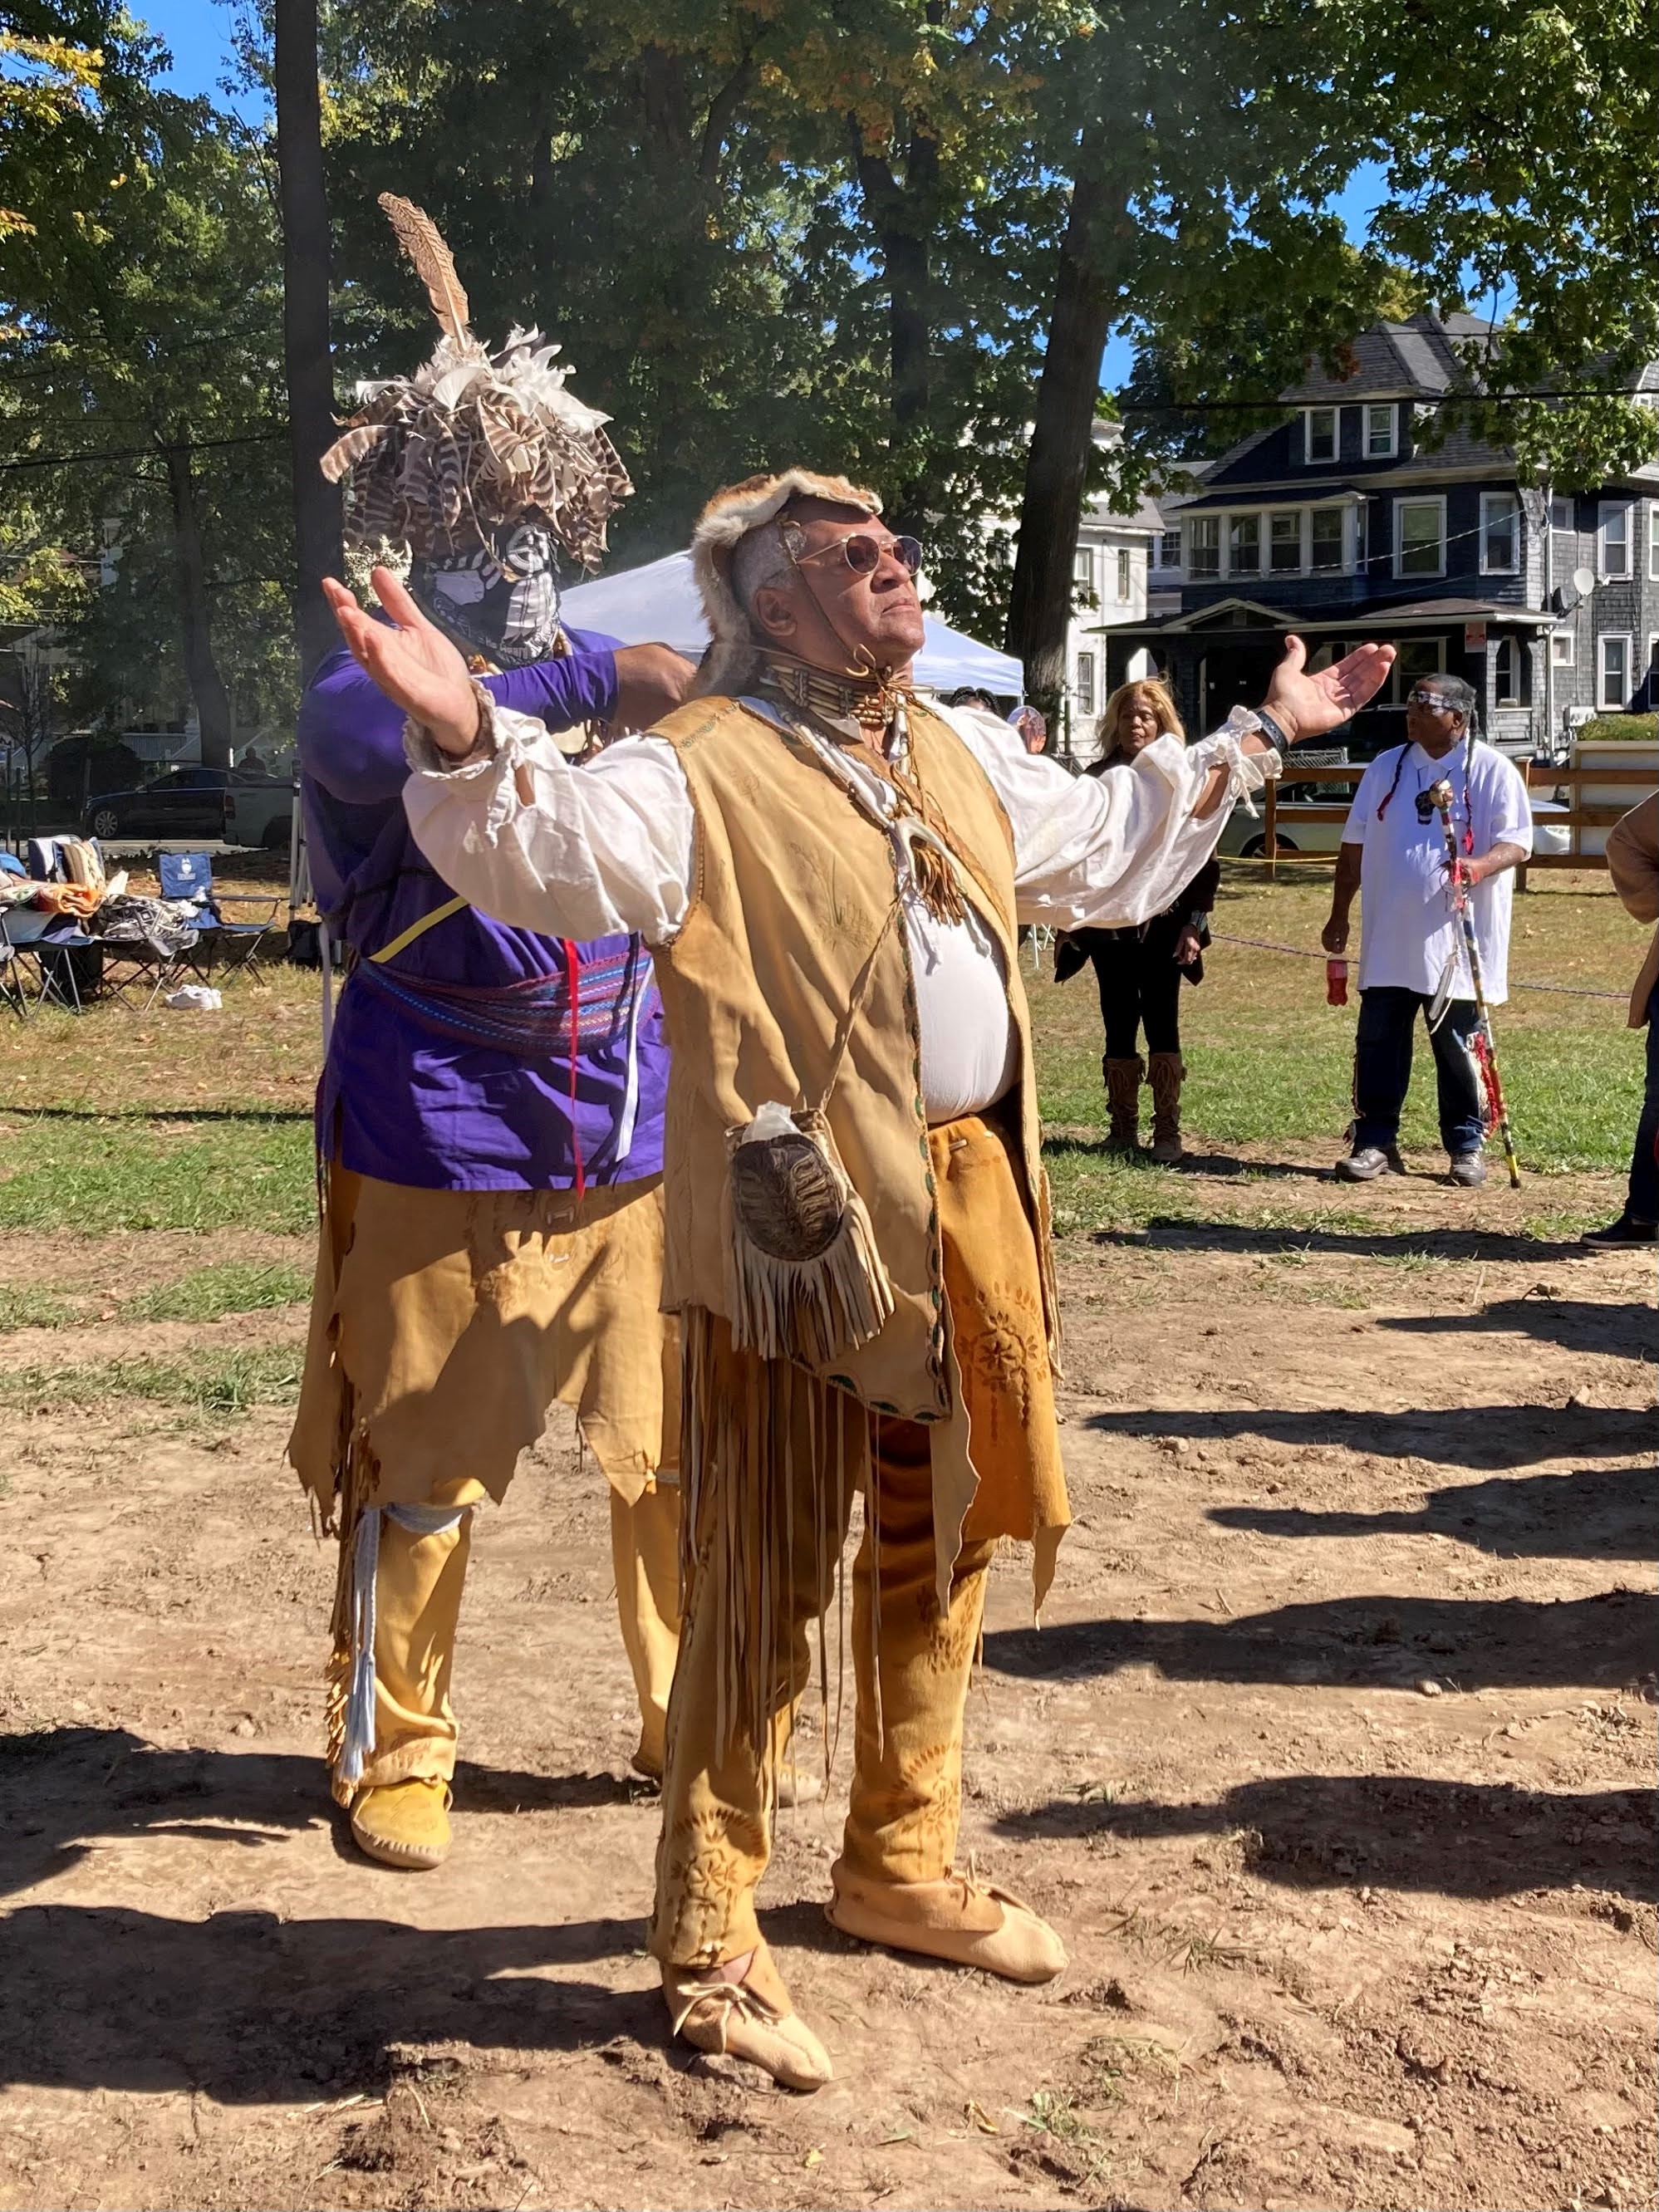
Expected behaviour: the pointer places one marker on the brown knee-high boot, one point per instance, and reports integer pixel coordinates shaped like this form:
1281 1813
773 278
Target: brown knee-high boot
1123 1080
1166 1074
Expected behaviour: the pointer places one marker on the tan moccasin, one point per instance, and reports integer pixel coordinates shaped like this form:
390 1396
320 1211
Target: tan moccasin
404 1824
753 2019
970 1922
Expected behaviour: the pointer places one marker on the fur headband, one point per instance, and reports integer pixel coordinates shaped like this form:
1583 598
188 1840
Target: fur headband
729 517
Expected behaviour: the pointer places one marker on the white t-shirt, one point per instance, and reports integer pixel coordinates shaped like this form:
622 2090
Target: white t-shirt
1409 928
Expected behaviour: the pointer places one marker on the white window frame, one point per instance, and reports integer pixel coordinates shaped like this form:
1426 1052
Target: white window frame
1509 501
1083 570
1126 576
1512 646
1197 522
1321 460
1164 538
1091 704
1418 575
1569 527
1244 514
1299 516
1382 453
1603 705
1609 507
1345 566
1653 541
1569 658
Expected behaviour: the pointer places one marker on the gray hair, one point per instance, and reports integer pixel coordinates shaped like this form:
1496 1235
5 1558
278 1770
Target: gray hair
760 563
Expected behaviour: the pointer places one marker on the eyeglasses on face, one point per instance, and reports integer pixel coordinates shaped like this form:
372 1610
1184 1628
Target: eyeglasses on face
862 551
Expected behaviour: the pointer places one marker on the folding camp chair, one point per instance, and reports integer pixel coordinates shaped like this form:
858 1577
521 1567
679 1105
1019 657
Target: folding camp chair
68 965
237 943
14 976
136 969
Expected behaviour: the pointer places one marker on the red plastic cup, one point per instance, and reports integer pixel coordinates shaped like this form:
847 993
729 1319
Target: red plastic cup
1336 982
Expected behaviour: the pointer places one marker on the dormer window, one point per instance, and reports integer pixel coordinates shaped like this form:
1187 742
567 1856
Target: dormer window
1320 429
1382 431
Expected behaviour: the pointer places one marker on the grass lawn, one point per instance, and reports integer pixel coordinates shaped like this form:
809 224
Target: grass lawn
178 1121
1270 1061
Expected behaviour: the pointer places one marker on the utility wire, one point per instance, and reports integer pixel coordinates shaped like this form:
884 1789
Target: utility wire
139 452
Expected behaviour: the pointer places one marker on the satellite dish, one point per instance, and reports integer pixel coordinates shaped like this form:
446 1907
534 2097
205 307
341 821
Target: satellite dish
1584 582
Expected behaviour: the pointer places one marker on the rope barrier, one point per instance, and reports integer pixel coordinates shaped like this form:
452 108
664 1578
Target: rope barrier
1301 952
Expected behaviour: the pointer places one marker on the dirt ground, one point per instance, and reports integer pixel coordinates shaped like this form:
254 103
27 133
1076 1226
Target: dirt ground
1334 1759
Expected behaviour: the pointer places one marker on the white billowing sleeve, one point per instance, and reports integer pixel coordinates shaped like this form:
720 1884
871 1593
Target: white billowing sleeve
1108 851
590 852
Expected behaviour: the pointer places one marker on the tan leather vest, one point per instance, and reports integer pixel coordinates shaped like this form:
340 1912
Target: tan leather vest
794 886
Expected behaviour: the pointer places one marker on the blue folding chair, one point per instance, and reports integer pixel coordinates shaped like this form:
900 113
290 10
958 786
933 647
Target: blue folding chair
236 944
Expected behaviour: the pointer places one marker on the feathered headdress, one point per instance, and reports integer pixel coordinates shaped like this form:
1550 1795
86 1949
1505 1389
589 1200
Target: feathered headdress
474 442
725 522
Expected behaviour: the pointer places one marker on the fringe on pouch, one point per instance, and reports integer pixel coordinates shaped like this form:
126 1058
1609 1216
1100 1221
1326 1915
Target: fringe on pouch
764 1442
830 1300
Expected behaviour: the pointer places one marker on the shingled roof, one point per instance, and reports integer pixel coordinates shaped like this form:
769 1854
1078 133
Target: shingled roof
1415 359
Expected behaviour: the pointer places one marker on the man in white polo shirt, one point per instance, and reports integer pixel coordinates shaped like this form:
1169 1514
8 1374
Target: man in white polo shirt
1410 954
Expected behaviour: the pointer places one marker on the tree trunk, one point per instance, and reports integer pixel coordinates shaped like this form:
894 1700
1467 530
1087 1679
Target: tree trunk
1057 465
207 686
305 322
901 217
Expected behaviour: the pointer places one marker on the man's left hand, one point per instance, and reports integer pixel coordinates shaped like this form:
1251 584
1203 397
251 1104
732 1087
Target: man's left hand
1307 706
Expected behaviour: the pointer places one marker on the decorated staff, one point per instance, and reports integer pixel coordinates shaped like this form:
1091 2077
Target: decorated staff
1481 1042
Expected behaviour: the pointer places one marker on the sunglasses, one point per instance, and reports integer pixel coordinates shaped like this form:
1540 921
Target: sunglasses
862 552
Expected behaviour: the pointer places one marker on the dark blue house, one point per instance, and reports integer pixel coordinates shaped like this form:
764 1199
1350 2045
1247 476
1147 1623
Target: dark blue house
1343 523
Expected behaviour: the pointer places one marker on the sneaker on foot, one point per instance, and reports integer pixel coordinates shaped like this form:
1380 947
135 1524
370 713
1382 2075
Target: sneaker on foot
1364 1164
404 1824
1620 1235
1468 1170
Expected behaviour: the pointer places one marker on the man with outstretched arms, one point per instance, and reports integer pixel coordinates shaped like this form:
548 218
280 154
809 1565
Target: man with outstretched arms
830 874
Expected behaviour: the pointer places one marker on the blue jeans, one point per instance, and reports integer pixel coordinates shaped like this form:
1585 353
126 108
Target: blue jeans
1642 1204
1382 1070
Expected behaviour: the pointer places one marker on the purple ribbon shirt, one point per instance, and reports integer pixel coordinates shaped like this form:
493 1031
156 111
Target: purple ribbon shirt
461 1063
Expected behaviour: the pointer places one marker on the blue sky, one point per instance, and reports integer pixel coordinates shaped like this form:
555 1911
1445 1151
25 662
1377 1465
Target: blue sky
197 34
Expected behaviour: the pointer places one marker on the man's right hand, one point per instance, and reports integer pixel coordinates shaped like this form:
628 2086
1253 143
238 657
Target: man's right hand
652 680
411 661
1334 935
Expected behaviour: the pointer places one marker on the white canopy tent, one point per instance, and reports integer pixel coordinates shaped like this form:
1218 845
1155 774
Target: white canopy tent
658 604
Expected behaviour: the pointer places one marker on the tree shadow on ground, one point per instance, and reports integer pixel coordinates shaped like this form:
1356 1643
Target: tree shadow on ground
246 2005
1397 1832
1453 1436
1597 1513
1172 1233
64 1789
1625 1330
252 2009
1607 1642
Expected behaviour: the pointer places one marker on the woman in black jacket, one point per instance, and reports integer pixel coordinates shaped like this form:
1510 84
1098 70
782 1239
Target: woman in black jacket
1140 970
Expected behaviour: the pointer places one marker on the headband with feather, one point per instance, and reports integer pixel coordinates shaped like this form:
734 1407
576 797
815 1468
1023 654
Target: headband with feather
475 442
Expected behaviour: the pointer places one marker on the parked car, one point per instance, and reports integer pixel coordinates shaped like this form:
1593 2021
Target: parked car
196 802
1294 833
259 810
